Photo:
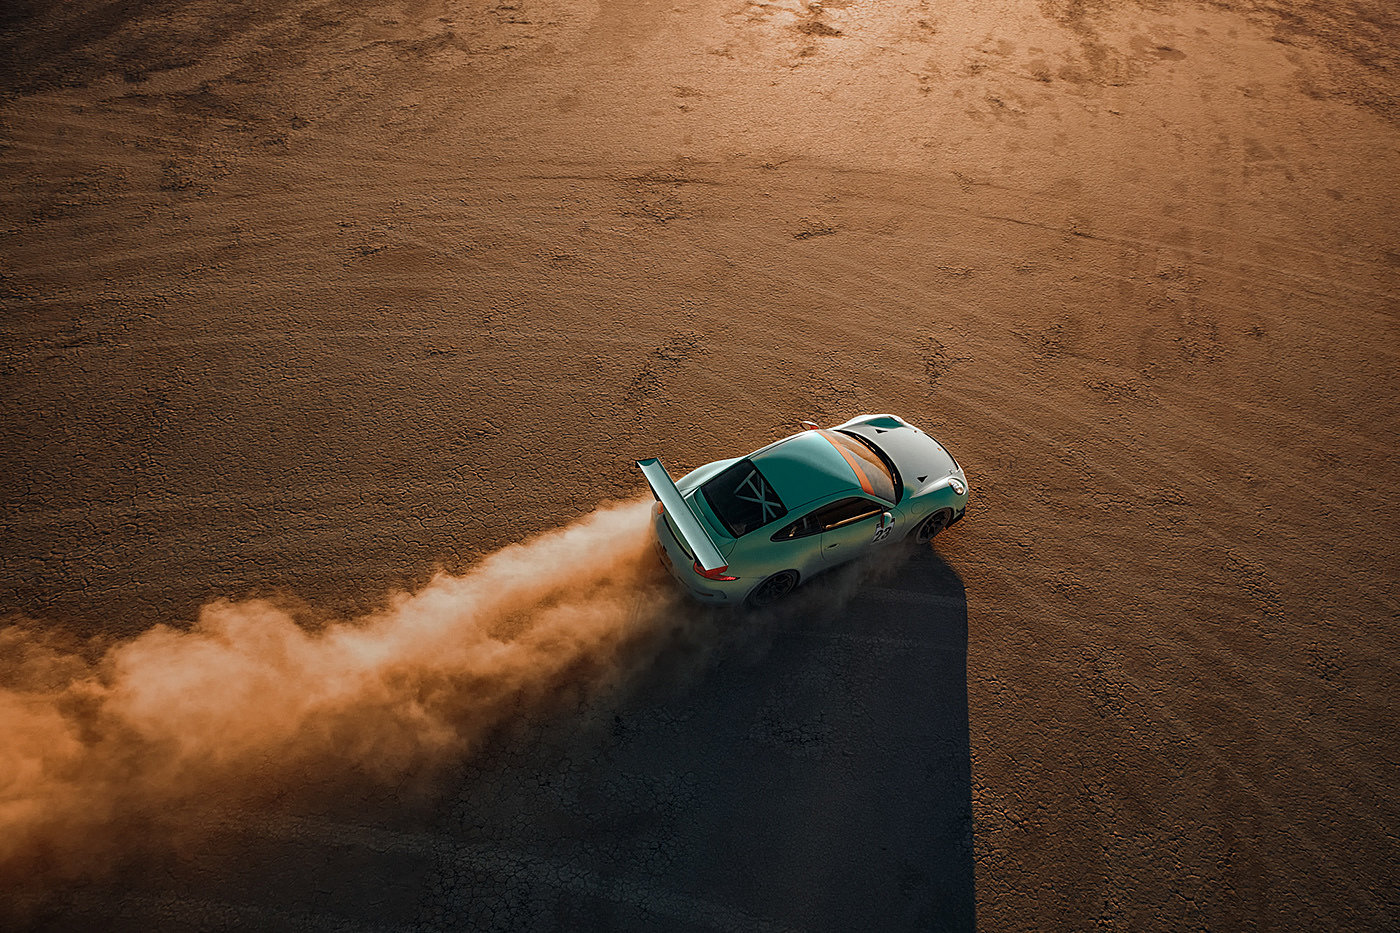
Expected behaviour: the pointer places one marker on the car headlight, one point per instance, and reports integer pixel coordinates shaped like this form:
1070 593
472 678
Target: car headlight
958 485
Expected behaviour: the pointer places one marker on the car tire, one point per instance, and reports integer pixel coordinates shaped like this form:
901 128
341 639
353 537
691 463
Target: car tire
929 528
771 590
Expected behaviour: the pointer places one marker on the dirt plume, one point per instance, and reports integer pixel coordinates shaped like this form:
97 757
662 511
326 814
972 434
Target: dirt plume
105 745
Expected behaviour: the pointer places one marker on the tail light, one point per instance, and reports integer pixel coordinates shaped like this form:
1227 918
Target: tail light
719 573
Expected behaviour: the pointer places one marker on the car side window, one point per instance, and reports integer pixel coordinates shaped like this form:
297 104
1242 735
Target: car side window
846 512
804 526
836 515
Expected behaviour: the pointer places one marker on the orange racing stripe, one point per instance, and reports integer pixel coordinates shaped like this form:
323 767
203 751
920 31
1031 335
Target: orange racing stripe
855 464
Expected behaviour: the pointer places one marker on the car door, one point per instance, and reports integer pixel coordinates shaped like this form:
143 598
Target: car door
849 527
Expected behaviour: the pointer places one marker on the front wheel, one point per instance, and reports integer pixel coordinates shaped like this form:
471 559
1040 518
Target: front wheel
930 527
773 589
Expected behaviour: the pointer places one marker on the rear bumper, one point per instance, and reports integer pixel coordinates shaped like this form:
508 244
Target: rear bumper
679 564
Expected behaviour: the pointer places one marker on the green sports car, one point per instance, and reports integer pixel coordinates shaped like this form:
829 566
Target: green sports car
750 529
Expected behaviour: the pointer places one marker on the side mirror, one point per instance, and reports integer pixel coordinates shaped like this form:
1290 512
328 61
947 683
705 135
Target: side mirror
886 520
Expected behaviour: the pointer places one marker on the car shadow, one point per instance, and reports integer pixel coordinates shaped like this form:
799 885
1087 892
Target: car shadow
814 775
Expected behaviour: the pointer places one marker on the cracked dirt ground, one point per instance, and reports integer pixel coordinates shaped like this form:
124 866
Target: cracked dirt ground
315 298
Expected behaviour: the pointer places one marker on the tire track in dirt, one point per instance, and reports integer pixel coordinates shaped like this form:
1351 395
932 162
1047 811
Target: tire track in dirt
1079 204
1152 705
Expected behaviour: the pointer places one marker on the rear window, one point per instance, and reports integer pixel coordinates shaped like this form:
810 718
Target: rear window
742 499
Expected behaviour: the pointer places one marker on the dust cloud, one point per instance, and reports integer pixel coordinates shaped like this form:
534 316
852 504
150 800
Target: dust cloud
131 741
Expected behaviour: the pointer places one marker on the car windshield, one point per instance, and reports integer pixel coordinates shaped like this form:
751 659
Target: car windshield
742 499
876 475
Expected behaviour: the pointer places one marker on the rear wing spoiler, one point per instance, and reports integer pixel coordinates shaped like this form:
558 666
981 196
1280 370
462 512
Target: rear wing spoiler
693 535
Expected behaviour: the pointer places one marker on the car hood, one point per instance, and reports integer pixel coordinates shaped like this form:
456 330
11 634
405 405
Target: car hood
922 462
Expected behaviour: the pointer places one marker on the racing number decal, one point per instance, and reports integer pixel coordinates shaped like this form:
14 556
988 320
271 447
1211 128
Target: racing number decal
882 533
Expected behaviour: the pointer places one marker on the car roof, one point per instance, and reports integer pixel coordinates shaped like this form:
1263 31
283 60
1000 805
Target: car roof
804 468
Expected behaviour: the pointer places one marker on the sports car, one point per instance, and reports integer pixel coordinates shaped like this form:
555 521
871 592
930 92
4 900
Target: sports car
748 530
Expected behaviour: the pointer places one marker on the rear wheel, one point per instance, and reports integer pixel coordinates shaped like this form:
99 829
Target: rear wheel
773 589
930 527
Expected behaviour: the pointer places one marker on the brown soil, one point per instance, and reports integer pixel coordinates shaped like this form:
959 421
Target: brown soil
320 297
